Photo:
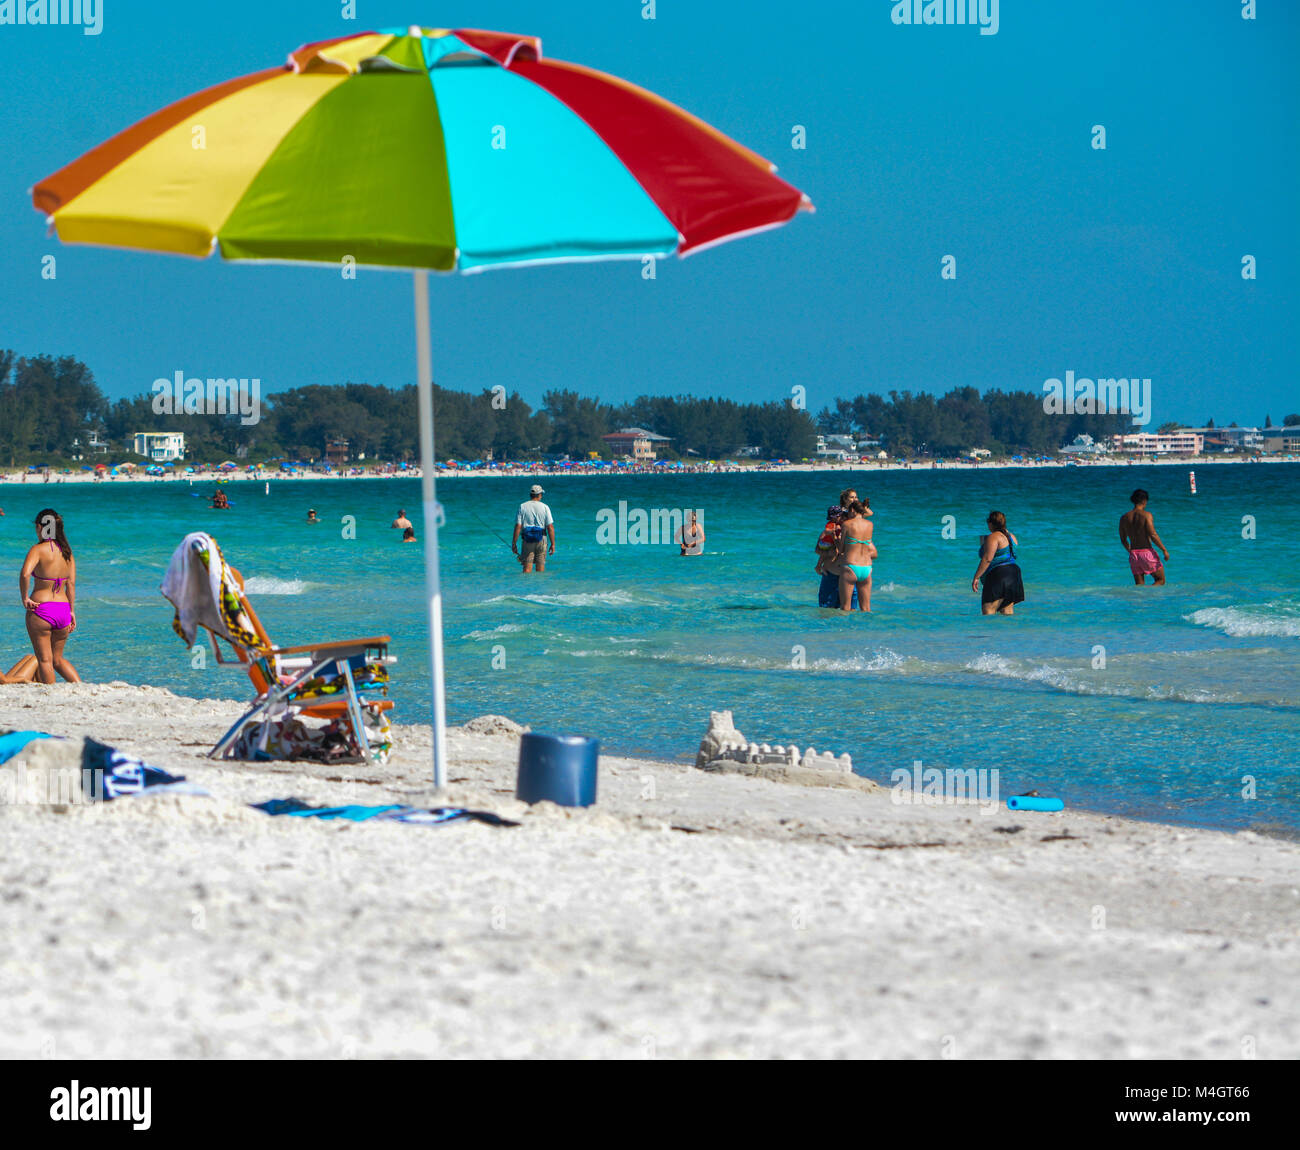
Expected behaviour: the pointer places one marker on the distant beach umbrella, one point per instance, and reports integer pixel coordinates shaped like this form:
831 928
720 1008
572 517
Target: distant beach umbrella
424 149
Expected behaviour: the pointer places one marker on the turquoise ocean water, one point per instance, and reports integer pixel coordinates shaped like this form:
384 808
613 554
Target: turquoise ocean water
1200 683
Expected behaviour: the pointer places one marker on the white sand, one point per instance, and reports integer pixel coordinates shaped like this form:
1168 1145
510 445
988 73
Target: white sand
793 922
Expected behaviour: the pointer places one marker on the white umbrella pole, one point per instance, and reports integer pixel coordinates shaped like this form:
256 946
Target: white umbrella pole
432 584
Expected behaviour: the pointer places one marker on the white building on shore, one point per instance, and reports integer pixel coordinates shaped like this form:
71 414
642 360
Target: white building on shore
1154 443
159 446
1084 445
837 447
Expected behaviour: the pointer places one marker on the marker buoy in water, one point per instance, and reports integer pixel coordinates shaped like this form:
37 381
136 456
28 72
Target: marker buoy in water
1191 476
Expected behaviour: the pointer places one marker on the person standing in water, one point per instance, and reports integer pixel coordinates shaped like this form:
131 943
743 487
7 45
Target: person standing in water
831 565
999 569
537 526
691 536
1137 531
855 557
47 583
401 523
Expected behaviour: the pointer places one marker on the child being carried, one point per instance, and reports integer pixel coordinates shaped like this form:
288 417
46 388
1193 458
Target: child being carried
828 543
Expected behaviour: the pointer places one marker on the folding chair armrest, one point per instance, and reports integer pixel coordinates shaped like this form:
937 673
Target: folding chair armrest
340 645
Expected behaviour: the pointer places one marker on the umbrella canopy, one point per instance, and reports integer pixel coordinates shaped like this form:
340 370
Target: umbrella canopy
418 148
422 148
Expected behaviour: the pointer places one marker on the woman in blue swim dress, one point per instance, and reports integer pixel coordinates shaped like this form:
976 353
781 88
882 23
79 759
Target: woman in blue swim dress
999 570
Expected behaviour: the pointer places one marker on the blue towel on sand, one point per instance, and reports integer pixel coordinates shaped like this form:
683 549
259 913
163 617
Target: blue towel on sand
108 774
436 817
11 742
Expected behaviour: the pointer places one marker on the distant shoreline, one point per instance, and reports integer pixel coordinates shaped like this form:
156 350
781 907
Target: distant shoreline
15 478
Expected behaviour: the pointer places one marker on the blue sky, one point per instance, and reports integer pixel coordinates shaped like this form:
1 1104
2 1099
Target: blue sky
921 142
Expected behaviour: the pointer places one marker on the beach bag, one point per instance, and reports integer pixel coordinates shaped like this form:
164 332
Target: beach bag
289 739
534 534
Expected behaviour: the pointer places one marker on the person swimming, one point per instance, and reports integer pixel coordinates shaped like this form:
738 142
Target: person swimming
51 572
311 515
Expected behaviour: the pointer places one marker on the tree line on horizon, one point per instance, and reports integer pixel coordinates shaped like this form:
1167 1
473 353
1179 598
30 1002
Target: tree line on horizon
47 403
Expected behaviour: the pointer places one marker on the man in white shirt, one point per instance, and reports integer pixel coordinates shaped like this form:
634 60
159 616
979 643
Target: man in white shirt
535 523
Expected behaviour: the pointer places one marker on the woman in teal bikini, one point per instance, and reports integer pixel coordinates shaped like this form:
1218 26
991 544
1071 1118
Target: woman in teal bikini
856 553
52 574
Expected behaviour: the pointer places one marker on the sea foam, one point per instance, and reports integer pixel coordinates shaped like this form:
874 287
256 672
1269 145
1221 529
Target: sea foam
1072 683
1267 619
270 585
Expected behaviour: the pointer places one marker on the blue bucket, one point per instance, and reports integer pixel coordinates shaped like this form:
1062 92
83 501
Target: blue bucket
557 768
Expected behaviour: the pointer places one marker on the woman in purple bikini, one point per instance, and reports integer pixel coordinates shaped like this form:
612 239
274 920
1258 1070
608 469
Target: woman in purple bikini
52 573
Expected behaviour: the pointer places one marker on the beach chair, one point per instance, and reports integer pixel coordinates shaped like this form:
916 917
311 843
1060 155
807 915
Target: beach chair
343 682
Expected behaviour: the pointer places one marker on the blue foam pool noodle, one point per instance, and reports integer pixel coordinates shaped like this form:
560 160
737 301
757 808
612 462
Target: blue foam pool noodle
1033 803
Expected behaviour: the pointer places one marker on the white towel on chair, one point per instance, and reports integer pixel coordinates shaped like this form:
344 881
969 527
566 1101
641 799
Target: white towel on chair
194 587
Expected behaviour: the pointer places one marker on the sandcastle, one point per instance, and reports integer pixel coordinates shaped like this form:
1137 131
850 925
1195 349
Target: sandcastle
724 748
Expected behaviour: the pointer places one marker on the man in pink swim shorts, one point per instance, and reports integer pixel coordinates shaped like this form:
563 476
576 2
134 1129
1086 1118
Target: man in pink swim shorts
1137 531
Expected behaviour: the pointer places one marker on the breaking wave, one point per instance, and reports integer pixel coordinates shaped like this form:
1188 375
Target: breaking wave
1280 618
1074 683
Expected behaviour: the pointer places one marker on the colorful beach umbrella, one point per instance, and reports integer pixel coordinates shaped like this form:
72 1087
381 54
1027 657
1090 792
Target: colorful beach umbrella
425 149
